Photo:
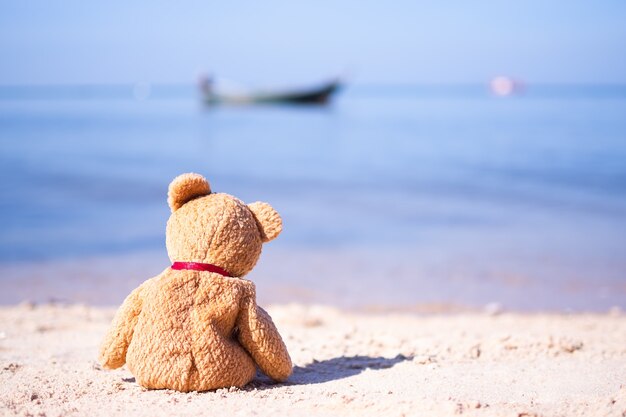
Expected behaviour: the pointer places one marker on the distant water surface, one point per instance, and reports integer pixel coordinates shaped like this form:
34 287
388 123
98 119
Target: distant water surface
394 196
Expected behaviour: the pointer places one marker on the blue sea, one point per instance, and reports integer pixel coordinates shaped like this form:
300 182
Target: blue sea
393 197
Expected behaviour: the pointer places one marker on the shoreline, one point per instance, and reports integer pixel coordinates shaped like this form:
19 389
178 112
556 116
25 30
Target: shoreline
346 364
417 310
351 279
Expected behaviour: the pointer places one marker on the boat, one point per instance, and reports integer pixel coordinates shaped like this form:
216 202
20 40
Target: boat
319 95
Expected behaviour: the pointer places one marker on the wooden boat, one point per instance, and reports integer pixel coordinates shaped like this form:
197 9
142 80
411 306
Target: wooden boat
320 94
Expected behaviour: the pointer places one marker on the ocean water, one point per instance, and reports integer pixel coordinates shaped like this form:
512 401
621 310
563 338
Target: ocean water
392 197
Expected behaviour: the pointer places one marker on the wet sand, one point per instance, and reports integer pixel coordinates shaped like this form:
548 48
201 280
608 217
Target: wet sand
346 364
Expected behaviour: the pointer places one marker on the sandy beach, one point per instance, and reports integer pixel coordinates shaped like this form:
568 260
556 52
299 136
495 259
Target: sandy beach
346 364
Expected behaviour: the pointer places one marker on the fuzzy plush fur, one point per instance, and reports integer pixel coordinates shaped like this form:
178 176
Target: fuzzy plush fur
192 330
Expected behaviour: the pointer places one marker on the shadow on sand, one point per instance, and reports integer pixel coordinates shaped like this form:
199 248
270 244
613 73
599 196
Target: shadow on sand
319 372
333 369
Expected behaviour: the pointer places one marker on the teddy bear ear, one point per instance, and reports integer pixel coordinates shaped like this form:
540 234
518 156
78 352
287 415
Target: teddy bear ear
185 188
269 221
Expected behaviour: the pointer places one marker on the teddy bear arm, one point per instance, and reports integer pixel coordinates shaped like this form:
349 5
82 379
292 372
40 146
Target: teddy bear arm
115 344
259 336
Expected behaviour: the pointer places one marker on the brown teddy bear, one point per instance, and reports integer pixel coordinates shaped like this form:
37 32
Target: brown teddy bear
196 326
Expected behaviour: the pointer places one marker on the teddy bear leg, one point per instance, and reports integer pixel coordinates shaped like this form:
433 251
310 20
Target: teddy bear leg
229 365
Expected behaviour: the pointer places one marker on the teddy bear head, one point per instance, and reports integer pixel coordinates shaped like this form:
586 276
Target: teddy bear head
216 228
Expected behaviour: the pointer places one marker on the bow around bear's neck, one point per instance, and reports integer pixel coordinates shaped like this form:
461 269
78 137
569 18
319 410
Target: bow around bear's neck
198 266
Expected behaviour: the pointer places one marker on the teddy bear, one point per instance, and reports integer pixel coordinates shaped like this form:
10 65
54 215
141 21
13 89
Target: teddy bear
197 326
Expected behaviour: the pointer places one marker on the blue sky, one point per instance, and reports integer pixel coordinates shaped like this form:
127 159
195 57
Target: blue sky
49 42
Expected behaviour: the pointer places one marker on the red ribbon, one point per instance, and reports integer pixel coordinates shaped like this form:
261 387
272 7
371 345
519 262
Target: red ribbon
197 266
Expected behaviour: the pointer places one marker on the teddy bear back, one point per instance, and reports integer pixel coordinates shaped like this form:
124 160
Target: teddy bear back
216 228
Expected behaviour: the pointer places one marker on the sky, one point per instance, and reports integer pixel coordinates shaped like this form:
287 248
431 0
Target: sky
78 42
